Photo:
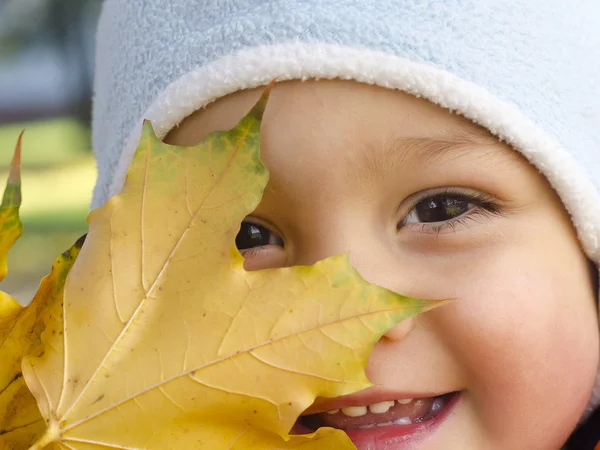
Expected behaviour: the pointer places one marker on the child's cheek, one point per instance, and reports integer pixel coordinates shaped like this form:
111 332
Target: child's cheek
529 341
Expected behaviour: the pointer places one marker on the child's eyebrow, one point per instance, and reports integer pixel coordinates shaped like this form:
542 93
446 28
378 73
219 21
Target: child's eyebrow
405 154
408 152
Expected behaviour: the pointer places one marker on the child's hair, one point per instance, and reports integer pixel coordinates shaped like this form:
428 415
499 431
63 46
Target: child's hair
525 70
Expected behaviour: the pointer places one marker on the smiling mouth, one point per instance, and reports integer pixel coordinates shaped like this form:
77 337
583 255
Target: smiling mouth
377 415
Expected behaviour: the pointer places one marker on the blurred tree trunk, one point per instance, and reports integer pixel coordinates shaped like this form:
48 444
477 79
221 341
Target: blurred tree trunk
67 24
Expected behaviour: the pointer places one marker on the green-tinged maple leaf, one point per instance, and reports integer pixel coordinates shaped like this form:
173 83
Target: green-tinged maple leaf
10 230
21 423
169 343
21 328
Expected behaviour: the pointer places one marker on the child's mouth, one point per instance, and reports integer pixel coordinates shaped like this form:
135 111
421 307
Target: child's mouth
385 424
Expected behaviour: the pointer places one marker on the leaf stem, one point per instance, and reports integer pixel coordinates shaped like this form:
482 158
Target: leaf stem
51 434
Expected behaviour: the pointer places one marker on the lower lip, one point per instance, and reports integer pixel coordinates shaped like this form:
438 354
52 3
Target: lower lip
400 437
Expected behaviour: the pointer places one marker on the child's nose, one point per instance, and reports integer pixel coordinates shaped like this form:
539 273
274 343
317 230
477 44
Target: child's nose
369 254
399 332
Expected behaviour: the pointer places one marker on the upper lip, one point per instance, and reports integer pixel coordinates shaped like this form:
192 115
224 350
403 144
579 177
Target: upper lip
373 394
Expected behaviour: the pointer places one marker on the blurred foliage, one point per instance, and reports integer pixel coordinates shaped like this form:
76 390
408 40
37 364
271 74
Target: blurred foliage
24 21
62 30
58 174
53 142
58 170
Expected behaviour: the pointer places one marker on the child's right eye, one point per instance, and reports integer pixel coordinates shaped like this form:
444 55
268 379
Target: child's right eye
252 235
439 210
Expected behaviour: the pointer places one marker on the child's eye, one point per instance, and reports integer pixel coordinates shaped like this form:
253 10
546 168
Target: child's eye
252 235
439 208
448 209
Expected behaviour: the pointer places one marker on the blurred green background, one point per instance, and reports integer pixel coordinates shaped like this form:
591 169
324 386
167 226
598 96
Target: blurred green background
46 66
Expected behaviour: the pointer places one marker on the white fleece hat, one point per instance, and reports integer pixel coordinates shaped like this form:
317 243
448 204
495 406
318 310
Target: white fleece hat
527 70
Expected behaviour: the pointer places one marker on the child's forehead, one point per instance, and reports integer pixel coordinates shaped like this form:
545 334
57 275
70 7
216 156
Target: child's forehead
324 104
374 125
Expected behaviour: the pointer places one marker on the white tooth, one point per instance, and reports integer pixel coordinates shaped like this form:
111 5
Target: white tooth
403 421
333 411
385 424
381 407
367 426
437 404
355 411
405 401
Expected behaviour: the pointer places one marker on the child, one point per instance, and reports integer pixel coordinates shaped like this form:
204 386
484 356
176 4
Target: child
451 146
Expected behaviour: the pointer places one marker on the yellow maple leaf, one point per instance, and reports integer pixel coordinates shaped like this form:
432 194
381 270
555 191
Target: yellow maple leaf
169 343
20 328
20 420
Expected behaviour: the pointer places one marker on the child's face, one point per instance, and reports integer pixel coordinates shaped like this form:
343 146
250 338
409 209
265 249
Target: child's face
431 206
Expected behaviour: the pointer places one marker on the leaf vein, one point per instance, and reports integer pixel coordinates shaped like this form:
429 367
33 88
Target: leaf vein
187 193
112 275
65 355
91 441
298 372
217 361
168 397
237 438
